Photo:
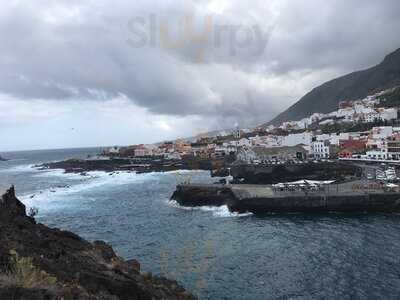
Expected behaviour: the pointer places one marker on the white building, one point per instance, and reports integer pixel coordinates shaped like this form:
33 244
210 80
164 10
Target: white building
375 143
296 139
347 112
267 141
382 132
291 125
304 123
377 154
143 151
362 109
173 156
335 138
322 137
372 117
225 149
315 117
244 142
267 155
388 114
381 114
270 128
320 149
113 150
327 122
333 114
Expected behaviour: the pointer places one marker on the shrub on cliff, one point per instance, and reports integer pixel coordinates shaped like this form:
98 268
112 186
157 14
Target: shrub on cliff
23 273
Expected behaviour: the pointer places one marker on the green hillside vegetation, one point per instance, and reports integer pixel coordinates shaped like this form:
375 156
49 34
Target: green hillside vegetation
391 99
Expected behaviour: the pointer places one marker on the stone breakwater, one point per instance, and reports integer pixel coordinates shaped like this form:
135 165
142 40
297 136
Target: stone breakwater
261 199
270 174
37 262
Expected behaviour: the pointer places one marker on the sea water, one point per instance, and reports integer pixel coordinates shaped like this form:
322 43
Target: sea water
215 254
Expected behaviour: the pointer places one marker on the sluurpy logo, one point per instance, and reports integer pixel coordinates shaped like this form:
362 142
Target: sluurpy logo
200 37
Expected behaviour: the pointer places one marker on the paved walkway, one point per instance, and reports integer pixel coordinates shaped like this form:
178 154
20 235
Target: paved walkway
242 191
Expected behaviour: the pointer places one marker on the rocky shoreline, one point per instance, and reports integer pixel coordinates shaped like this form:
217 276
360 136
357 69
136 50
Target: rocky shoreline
241 173
271 174
37 262
125 164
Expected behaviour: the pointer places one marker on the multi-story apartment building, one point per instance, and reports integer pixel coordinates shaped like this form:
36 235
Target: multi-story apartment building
320 149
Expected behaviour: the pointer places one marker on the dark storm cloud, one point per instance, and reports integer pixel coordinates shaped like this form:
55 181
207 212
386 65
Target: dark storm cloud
81 50
345 34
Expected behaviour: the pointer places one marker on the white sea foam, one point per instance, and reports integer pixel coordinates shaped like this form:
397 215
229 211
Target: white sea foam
90 181
70 186
187 171
221 211
16 159
19 169
57 173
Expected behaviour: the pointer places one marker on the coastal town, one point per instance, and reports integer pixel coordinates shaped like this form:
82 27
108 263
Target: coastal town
345 160
362 130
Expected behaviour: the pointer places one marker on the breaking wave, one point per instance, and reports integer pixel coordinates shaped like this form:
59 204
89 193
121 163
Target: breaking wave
221 211
72 184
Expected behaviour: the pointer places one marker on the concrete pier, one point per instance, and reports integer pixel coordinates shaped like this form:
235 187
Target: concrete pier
347 197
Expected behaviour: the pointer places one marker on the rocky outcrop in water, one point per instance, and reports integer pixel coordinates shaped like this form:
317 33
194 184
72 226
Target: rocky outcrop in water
270 174
145 165
197 195
37 262
2 158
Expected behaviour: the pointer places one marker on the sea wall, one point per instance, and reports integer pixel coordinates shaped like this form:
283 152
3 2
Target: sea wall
264 200
333 203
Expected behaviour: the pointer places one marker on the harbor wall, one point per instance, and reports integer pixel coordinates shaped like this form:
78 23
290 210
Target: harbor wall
237 201
388 202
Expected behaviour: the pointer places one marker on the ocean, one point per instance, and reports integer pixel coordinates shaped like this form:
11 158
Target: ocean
213 253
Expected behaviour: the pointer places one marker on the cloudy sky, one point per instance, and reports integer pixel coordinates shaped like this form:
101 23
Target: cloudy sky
96 72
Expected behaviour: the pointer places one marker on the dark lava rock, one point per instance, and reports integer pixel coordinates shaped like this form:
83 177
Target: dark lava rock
83 270
105 250
197 195
271 174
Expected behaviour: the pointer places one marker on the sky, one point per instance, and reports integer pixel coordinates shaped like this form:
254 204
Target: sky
96 72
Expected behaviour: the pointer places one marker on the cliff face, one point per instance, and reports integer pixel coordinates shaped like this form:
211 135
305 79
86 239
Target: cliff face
37 262
326 97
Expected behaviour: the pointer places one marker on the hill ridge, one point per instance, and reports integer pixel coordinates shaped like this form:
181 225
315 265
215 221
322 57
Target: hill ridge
359 84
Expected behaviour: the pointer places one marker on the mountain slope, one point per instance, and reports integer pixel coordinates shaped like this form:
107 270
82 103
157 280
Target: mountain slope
326 97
